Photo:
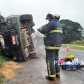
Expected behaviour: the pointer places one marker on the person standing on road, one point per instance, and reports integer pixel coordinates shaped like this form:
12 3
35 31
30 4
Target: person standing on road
52 42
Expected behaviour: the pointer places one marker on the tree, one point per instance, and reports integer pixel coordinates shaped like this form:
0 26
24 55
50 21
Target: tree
72 31
1 17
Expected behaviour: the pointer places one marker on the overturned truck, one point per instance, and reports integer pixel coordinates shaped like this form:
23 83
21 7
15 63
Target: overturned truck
16 31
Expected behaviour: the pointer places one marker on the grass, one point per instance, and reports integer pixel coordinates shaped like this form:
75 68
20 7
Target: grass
1 81
77 47
2 60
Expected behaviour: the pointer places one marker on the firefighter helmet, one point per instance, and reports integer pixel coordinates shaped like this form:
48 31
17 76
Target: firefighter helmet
52 15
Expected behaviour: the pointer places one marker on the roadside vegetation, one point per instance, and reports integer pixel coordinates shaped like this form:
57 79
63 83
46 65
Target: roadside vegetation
73 34
7 68
2 60
78 42
79 45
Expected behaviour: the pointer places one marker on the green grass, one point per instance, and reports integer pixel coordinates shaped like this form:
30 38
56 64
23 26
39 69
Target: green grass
77 47
1 80
2 60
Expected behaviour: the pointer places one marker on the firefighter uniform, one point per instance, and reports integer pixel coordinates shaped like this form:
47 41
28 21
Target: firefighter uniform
52 42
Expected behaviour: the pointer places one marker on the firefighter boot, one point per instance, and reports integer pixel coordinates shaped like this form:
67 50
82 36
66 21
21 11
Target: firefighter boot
50 78
58 75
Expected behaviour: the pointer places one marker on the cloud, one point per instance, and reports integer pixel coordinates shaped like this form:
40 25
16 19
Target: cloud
68 9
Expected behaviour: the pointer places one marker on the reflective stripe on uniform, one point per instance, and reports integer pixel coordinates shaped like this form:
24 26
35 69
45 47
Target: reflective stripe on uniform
58 73
49 71
48 63
52 76
57 30
51 47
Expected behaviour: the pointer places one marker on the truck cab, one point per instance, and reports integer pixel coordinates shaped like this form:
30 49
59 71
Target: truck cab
16 31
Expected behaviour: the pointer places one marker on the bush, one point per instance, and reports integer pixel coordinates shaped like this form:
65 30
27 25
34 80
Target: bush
78 42
2 59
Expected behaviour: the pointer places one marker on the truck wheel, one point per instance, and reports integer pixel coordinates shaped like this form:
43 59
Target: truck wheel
32 54
26 17
24 57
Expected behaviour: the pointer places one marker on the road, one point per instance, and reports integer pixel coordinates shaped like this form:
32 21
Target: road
77 53
34 71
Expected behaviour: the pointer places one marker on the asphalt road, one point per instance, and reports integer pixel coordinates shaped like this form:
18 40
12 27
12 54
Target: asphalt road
77 53
34 71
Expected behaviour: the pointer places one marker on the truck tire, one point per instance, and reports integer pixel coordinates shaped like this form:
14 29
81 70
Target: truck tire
26 17
24 55
32 54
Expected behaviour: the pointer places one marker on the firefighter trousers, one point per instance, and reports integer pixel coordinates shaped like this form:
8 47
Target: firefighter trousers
52 57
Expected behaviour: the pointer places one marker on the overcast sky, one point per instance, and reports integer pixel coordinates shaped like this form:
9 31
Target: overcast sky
68 9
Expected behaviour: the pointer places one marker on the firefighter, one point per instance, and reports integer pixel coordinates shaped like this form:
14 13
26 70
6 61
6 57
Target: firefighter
52 41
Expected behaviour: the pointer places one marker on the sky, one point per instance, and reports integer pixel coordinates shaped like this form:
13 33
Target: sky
67 9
